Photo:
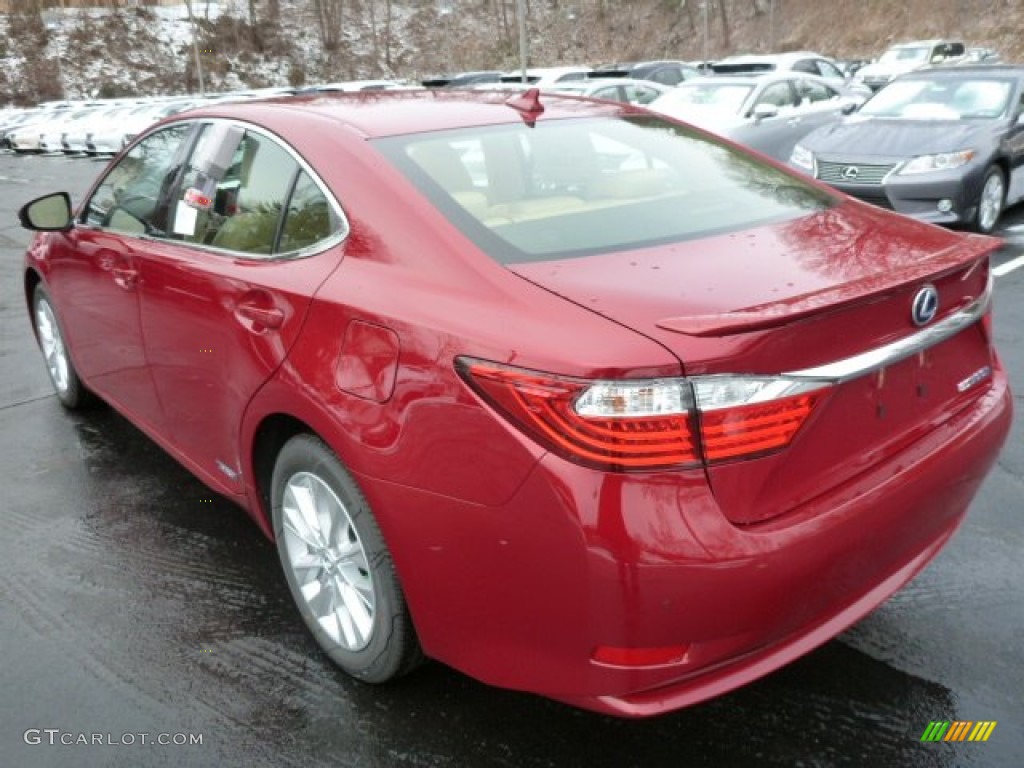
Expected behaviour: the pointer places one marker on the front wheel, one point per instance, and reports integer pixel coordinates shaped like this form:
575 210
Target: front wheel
990 201
337 566
68 387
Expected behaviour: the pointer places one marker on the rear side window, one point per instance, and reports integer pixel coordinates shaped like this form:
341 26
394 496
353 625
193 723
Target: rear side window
584 186
261 204
308 218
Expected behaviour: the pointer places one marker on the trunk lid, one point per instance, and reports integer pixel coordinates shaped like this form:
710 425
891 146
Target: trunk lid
795 296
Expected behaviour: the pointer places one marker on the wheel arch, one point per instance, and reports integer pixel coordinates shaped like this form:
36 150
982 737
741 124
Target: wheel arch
270 436
1002 162
32 279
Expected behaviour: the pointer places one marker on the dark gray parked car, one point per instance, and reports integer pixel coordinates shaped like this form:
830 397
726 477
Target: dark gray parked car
941 145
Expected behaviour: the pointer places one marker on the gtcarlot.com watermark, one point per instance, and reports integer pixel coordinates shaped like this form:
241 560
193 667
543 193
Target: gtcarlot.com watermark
55 737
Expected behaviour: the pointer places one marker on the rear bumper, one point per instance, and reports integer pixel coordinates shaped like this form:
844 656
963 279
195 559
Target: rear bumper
521 595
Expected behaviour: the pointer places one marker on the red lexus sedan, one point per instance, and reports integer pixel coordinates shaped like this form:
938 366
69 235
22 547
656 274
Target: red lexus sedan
571 397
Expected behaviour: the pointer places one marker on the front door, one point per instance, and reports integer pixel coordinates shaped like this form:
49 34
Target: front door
95 274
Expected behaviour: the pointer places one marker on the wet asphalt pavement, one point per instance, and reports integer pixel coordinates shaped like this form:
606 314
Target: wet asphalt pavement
133 601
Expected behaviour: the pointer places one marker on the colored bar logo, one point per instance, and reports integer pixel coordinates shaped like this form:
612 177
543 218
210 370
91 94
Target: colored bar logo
958 730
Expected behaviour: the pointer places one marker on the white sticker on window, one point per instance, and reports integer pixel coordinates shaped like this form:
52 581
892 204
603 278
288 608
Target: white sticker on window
185 218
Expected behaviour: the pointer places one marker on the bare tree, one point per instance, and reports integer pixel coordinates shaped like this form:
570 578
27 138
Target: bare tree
725 24
328 17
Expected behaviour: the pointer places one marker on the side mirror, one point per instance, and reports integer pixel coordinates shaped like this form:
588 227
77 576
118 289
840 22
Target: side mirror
937 58
764 111
50 213
1020 119
849 107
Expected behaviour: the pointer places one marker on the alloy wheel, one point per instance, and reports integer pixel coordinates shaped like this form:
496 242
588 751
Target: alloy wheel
991 203
52 344
327 558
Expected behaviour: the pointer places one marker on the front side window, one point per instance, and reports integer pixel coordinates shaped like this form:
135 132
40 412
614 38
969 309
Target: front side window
724 98
813 92
132 198
668 76
825 69
641 94
778 95
567 188
611 93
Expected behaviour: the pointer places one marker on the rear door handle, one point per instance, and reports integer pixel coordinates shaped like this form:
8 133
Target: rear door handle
260 318
125 277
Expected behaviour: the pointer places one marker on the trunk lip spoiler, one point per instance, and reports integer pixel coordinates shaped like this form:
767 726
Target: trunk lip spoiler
972 311
976 248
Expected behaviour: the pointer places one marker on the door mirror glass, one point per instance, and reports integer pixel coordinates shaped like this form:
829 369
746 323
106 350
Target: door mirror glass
51 213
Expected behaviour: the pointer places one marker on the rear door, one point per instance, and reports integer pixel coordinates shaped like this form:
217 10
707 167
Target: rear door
253 235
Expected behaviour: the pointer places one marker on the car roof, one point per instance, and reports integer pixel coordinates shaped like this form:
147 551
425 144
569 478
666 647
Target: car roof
600 81
752 58
754 78
933 41
969 70
394 112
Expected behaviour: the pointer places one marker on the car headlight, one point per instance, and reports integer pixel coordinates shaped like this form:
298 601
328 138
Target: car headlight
943 161
802 158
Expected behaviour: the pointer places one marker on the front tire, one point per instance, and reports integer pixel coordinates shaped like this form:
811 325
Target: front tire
337 566
990 201
69 389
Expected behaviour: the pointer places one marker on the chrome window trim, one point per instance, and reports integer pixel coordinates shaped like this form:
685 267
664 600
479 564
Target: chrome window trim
323 245
889 354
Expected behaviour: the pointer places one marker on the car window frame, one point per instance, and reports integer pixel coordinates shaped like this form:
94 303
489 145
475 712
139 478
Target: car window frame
173 192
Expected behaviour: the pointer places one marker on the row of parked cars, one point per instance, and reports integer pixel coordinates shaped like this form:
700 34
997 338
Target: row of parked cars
926 130
933 129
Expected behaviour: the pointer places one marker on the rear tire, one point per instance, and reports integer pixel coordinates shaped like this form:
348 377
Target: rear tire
337 566
991 201
69 389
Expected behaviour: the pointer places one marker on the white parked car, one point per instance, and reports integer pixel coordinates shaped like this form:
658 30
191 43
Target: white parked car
29 137
907 57
115 135
542 77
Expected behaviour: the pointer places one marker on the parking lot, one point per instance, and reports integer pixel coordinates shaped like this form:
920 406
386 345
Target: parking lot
136 602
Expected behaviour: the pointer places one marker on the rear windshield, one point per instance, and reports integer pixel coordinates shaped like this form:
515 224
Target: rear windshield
578 187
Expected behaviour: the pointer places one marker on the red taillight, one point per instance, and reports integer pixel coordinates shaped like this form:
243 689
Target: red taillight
545 407
729 433
648 424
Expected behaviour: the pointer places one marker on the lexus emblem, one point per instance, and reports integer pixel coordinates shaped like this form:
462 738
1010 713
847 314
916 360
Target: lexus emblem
925 306
851 172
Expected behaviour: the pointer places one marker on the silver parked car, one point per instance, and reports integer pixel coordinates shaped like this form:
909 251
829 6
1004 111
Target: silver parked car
624 89
769 113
